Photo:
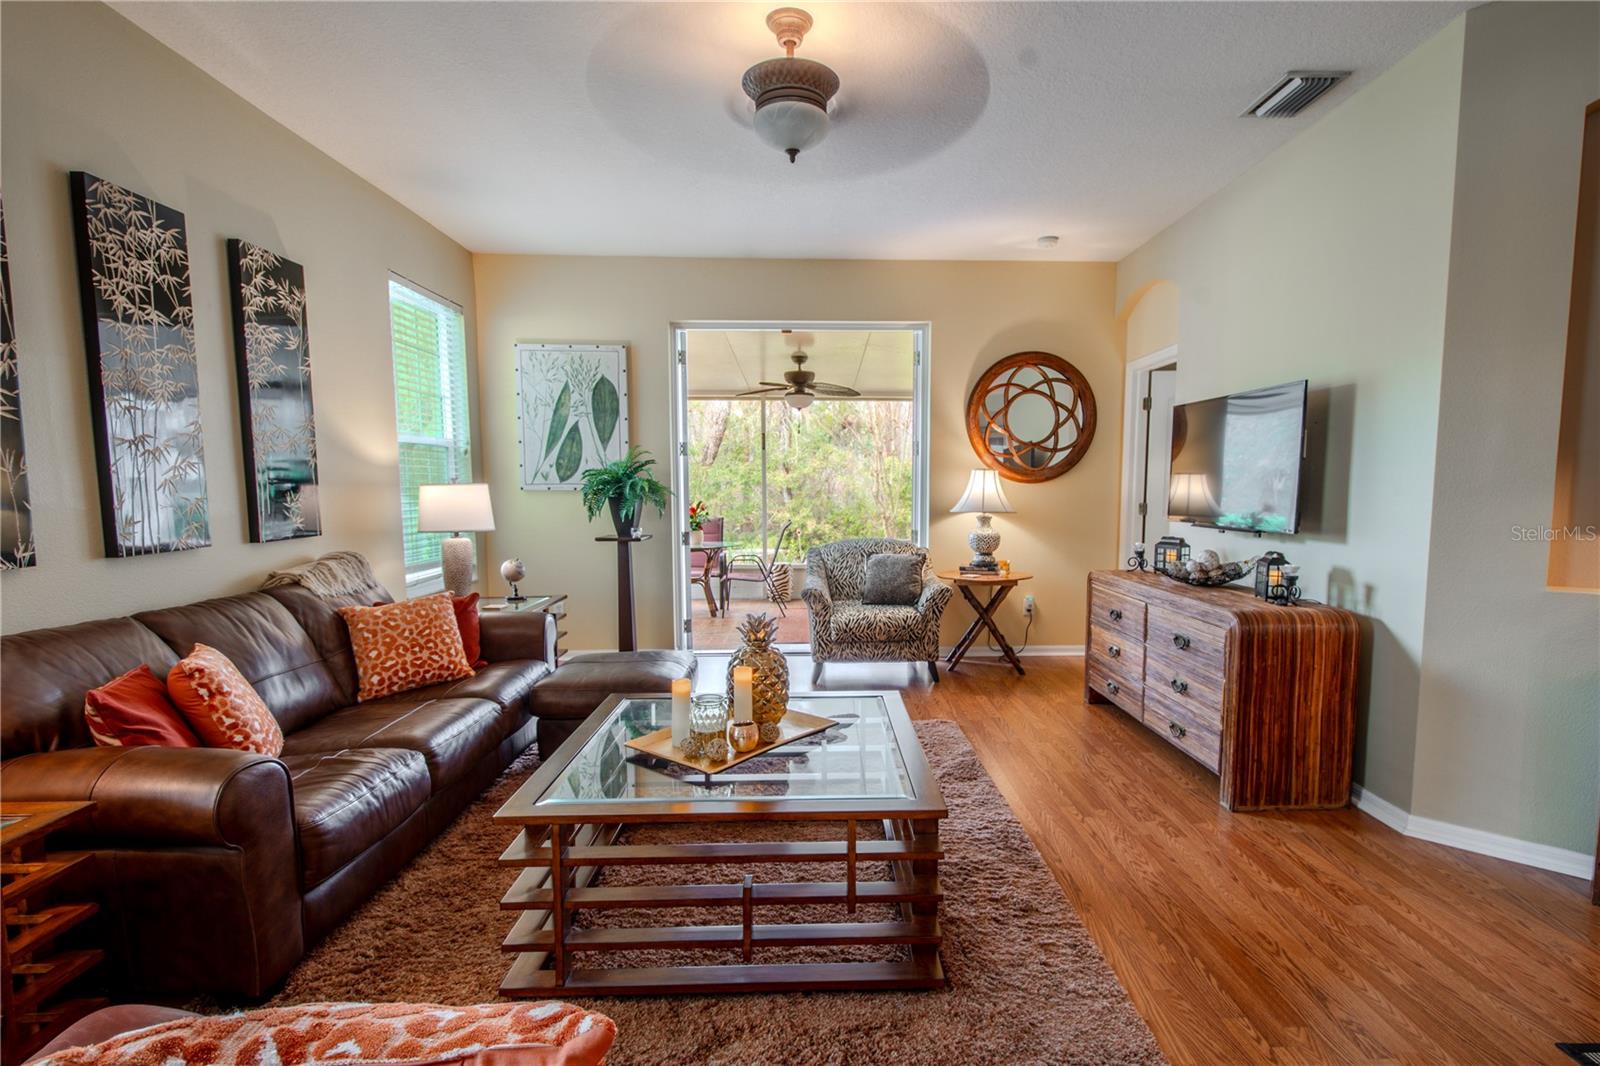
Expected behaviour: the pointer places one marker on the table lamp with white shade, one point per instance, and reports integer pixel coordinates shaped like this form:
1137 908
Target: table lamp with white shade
455 509
983 498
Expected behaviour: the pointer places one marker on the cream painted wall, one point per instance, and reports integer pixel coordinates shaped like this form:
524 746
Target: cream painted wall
1508 732
980 313
83 89
1152 320
1328 260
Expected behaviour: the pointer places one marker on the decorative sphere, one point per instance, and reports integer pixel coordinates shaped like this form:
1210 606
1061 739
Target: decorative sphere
513 570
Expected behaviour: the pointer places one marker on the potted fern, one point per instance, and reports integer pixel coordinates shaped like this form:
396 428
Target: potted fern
625 485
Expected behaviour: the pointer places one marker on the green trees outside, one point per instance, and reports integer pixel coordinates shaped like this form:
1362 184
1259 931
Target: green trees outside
838 469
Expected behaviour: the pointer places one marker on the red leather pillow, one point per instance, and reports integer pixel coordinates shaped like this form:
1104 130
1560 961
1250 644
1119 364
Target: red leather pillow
136 711
471 627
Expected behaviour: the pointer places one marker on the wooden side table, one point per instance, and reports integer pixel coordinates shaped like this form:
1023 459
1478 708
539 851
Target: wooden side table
551 603
32 975
627 634
1000 587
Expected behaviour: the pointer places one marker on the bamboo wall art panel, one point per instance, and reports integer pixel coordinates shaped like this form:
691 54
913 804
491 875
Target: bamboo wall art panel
138 324
16 517
273 352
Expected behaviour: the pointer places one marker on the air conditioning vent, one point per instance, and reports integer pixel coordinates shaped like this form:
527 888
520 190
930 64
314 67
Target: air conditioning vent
1294 93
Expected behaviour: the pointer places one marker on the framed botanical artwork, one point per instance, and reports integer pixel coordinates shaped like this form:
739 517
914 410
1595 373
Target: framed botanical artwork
572 404
16 514
272 350
138 327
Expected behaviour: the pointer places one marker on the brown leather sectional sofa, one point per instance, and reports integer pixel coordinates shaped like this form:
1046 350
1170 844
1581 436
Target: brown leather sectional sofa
218 869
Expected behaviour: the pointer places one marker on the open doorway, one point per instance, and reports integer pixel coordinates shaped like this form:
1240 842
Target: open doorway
787 438
1147 451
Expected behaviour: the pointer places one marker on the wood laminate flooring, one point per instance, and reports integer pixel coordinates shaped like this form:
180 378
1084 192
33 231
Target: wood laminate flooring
1307 937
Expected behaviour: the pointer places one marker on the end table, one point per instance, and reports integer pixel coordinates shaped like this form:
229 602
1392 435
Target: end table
1000 586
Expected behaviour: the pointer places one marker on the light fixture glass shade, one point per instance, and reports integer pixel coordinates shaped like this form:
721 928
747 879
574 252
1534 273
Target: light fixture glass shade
983 495
791 125
454 509
799 400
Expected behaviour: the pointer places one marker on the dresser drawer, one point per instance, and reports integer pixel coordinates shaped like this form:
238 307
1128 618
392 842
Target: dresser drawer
1117 652
1166 718
1127 694
1196 647
1195 696
1114 611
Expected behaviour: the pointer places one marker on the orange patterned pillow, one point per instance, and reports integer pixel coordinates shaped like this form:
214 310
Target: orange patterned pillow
401 646
501 1034
220 705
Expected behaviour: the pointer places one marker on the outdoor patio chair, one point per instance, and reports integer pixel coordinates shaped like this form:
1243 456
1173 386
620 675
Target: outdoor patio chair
706 566
773 574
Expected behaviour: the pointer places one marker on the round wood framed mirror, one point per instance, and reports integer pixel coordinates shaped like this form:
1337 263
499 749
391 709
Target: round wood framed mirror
1031 416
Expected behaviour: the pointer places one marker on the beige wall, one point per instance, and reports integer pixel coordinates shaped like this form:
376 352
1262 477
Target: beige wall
1328 261
1152 320
83 89
980 312
1508 733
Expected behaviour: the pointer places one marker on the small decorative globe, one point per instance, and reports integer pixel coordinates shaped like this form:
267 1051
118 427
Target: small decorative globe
513 571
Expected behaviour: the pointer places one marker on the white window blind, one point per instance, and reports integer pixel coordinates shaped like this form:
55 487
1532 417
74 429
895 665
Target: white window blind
430 395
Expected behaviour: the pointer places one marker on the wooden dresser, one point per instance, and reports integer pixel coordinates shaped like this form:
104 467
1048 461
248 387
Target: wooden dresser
1262 695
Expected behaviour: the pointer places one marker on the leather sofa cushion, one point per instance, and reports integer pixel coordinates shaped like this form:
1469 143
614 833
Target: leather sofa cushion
45 673
451 735
320 619
266 643
582 682
507 683
347 801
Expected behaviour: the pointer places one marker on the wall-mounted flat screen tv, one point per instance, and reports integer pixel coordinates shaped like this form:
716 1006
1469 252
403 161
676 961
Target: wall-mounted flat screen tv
1237 460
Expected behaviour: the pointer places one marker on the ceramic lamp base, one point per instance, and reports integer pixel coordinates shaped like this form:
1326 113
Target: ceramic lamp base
456 557
983 541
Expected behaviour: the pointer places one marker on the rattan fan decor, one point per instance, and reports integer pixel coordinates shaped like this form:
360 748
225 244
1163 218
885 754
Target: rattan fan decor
1031 416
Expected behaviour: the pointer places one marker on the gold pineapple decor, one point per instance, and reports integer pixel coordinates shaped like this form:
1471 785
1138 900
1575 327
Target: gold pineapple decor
770 691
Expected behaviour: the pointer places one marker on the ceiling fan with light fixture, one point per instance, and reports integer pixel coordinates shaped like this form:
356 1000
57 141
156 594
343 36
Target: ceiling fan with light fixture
800 386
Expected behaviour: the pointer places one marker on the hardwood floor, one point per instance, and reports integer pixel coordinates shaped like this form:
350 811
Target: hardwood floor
1311 937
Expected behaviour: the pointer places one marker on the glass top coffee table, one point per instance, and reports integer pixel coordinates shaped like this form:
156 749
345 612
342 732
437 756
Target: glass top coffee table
868 772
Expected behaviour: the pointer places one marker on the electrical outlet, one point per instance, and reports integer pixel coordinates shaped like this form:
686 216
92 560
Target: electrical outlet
1027 606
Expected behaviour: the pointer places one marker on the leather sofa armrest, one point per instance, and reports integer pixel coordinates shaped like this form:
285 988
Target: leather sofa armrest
517 635
169 796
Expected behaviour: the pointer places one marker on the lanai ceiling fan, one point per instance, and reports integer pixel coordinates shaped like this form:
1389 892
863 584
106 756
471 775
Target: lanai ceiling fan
800 386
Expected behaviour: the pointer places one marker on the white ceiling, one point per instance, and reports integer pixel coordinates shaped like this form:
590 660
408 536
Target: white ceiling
876 363
964 131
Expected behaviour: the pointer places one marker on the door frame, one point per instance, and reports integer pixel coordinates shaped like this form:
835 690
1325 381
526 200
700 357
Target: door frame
1133 392
921 379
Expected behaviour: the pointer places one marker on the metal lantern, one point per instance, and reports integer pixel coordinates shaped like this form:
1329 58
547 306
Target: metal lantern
1171 553
1269 574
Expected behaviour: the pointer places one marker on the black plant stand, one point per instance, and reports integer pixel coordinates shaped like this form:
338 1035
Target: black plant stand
627 633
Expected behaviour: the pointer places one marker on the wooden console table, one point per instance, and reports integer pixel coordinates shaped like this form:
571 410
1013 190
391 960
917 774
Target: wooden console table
1260 694
32 974
627 633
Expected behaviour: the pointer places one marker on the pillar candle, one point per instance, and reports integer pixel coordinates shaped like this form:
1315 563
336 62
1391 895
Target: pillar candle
743 701
680 711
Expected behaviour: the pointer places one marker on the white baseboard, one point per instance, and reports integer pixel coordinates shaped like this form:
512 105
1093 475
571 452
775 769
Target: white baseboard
1479 841
1036 649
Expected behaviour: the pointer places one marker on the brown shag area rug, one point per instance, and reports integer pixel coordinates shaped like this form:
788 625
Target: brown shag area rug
1027 984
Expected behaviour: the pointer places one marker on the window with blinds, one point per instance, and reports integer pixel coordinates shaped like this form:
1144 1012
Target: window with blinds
430 396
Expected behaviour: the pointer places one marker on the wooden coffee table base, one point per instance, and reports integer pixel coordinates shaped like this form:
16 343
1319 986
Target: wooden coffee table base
557 883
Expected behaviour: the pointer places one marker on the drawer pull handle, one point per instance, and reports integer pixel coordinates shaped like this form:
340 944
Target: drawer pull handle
1113 688
1114 651
1177 730
1179 685
1115 613
1180 640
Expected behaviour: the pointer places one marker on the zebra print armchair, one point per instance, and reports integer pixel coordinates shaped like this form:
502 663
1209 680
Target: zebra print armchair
845 630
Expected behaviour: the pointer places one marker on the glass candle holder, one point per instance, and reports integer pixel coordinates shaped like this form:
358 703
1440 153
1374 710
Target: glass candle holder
708 725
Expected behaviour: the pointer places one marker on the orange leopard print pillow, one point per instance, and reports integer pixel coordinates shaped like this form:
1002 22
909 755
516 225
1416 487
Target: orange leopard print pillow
401 646
502 1034
220 705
